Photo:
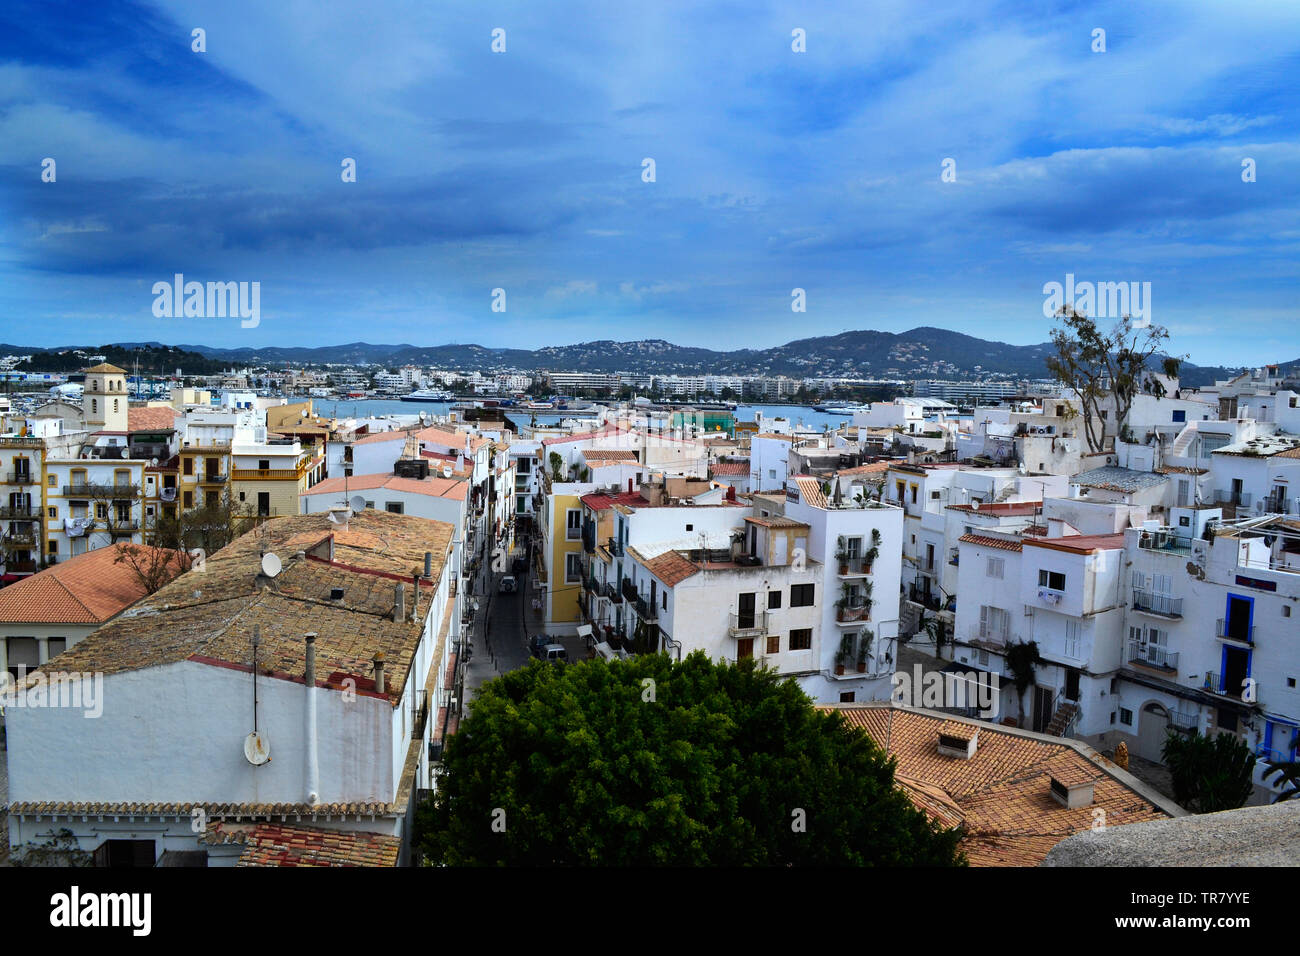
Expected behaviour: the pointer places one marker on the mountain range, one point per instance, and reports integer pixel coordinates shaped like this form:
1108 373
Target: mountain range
924 352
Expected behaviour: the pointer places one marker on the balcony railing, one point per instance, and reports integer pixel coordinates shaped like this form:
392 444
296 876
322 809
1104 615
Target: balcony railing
1186 720
1151 655
853 567
1218 684
613 593
20 478
752 624
1152 603
21 513
1239 498
93 490
1280 504
123 527
614 547
213 479
19 539
1226 631
918 596
645 610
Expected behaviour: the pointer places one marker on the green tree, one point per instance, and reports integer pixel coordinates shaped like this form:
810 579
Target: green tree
1287 772
1209 773
650 761
1107 367
1022 658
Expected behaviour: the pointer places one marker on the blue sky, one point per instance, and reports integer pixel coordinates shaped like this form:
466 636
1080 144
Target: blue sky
522 170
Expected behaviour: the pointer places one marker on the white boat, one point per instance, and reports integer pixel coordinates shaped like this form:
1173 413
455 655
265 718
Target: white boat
427 395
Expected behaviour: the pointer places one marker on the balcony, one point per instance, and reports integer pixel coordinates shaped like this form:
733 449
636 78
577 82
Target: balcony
854 567
1165 541
123 527
21 513
1161 605
1280 504
213 479
20 567
612 593
645 610
918 596
92 490
852 613
1240 499
1229 631
751 624
1185 720
629 590
19 540
20 478
613 546
1153 656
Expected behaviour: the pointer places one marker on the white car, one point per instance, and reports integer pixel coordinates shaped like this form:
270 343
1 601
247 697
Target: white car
507 585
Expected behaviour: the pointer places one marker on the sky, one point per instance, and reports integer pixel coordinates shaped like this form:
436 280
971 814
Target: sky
524 170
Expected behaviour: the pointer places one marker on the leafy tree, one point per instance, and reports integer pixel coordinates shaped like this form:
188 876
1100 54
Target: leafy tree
1022 658
1103 367
650 761
557 466
1209 773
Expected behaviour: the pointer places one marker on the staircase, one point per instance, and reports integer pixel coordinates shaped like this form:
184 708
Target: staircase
1063 719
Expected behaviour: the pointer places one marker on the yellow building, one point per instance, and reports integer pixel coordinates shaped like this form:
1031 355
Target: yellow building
560 526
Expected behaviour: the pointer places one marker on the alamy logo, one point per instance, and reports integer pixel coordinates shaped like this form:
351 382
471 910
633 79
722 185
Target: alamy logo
948 691
217 300
74 909
1101 300
54 689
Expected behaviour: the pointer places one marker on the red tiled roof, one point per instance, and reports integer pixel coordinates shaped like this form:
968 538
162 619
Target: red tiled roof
150 419
1003 508
87 589
871 468
275 844
609 454
670 567
1002 544
1082 543
435 485
601 501
730 468
584 436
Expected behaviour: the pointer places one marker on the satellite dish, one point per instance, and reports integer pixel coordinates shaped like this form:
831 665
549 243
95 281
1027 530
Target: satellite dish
271 565
257 749
357 504
974 506
447 471
421 418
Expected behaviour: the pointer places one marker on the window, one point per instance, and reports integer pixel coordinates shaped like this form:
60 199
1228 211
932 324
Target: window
1054 580
848 696
572 568
187 466
801 639
665 600
1227 720
690 527
393 507
801 595
773 644
54 513
913 494
53 481
773 600
1126 717
995 624
573 524
1286 608
996 568
1072 631
934 496
983 658
263 464
1180 415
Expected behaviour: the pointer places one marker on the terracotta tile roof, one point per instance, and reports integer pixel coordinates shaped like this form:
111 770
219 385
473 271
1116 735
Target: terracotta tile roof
609 454
1081 543
984 541
397 434
275 844
1002 508
670 567
452 439
88 589
607 432
776 521
600 501
740 468
788 438
871 468
208 616
810 492
1000 796
435 485
213 811
105 367
150 419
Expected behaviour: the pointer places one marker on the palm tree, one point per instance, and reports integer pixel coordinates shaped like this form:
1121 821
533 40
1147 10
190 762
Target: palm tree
1288 772
1021 659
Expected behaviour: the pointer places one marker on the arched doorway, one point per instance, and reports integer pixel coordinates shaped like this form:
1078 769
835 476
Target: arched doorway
1153 728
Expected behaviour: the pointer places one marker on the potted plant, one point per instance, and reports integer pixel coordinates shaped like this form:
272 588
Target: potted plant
842 555
864 648
844 653
843 604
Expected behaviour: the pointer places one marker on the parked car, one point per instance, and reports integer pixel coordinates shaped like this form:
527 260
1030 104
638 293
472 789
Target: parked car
555 654
538 643
507 585
519 565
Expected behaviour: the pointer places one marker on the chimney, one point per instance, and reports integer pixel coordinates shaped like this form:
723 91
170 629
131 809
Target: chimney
1072 786
958 740
428 565
379 672
399 602
309 675
415 595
